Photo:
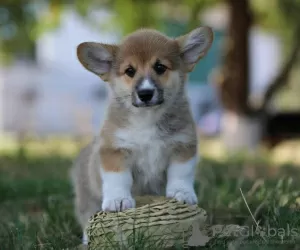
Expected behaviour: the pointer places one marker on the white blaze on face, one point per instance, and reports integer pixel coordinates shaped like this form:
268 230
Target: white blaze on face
146 85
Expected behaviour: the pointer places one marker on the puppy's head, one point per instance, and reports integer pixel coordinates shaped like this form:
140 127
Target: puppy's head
147 68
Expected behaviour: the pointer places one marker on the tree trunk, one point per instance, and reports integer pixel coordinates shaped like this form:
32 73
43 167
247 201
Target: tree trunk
235 85
241 126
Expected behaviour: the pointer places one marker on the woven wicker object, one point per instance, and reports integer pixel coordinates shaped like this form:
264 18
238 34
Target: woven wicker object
161 222
155 223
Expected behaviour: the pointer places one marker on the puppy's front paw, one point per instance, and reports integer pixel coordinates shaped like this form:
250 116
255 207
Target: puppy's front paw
118 204
183 195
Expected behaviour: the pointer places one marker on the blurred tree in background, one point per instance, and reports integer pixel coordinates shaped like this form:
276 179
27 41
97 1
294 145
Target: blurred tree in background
23 21
281 17
247 124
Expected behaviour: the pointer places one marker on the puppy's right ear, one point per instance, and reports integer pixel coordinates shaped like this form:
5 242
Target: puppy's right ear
97 58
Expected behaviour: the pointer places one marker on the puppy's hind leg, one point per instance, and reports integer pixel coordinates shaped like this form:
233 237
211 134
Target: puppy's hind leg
86 203
85 207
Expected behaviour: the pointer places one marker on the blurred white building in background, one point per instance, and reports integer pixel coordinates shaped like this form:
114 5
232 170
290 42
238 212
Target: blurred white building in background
56 95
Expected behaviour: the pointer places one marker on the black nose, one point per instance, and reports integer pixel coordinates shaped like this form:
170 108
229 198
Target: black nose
145 95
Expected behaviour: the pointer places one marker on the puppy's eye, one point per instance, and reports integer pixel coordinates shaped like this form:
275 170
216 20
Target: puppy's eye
159 68
130 72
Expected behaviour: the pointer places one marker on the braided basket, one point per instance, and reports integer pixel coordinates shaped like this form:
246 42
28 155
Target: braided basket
155 223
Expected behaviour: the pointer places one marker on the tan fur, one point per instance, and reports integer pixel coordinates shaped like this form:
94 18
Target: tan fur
143 140
144 46
112 159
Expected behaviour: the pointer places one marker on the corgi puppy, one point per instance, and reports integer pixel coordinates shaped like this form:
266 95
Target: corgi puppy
148 140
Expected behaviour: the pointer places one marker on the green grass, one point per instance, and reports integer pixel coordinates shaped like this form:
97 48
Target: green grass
36 204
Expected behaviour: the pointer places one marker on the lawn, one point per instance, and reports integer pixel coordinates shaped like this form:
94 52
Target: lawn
36 204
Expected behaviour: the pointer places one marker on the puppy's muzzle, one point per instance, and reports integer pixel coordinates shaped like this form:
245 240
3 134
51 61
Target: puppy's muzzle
147 94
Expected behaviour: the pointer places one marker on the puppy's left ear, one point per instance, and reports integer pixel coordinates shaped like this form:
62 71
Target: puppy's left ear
194 46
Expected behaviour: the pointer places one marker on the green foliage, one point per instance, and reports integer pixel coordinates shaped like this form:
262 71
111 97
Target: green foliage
23 21
278 16
16 24
195 7
135 14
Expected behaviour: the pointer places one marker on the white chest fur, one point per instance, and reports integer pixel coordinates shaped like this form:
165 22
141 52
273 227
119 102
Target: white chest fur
145 144
150 154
